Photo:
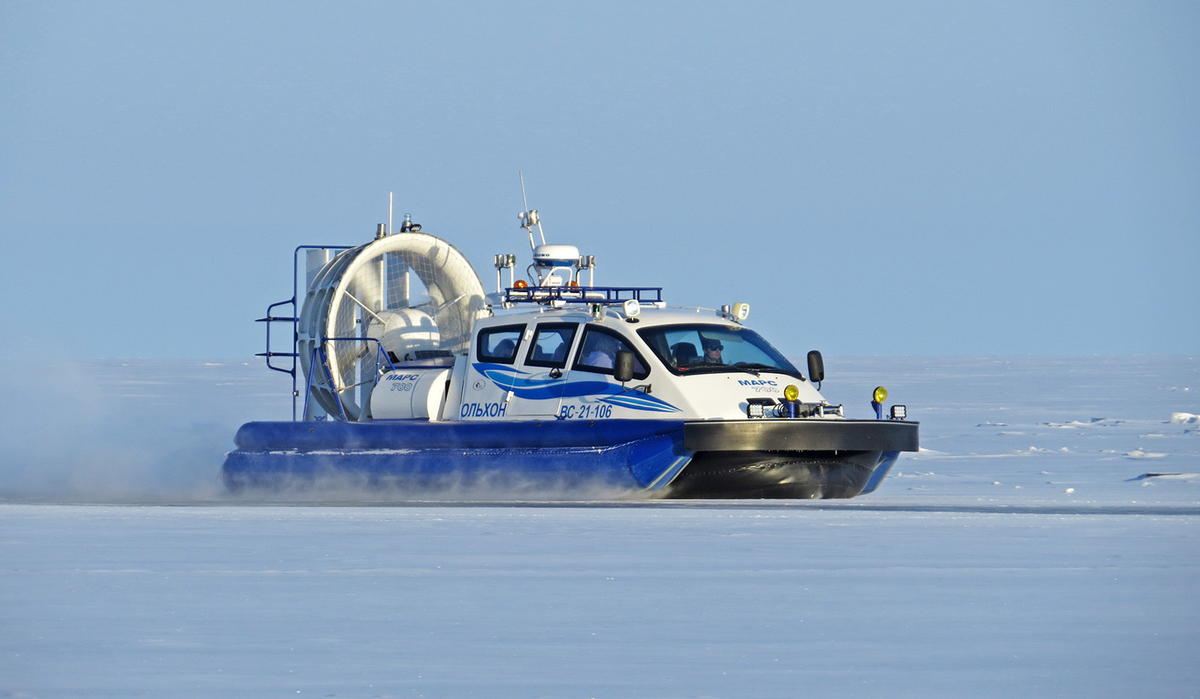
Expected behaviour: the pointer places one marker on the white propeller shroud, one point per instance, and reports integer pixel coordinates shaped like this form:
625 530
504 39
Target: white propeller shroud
363 293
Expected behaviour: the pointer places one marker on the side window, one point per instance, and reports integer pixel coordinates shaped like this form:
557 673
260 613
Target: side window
551 344
599 349
499 345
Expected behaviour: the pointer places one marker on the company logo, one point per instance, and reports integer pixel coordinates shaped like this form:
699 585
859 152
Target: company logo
756 382
401 377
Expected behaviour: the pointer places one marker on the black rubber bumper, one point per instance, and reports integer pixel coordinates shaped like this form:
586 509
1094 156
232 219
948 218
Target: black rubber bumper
801 435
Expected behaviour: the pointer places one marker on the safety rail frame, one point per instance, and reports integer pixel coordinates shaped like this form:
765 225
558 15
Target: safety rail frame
319 351
583 294
294 319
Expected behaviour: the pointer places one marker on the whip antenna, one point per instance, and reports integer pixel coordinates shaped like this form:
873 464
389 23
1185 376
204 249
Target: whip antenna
529 217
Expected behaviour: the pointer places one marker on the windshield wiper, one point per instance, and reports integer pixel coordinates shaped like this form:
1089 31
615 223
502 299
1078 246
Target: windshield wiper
754 368
757 367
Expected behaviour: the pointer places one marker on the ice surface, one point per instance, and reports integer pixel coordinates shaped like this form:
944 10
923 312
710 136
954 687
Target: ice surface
989 425
639 600
1024 550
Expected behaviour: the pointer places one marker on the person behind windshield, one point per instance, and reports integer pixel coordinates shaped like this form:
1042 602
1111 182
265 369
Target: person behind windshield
712 351
603 353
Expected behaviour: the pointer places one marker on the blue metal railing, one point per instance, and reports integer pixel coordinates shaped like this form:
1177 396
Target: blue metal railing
318 352
294 319
271 318
583 294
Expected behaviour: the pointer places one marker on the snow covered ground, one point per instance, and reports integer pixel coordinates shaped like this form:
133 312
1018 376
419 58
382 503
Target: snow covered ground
1025 550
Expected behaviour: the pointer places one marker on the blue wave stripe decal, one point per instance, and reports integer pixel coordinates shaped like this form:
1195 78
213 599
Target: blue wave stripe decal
640 402
528 387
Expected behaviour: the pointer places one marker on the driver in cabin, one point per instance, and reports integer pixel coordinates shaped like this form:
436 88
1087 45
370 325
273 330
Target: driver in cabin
603 353
505 349
712 351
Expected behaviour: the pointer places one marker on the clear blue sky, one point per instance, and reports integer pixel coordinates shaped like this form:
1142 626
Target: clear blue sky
887 178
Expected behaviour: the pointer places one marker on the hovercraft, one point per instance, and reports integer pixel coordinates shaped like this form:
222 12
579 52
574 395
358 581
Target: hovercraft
406 375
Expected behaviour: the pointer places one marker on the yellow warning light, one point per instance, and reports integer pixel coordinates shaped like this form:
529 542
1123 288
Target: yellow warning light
792 392
880 394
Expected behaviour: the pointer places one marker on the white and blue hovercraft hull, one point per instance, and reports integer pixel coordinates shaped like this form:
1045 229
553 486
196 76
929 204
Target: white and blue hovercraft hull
660 458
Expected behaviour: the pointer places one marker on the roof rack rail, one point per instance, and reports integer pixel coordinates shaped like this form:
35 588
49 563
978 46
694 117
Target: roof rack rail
583 294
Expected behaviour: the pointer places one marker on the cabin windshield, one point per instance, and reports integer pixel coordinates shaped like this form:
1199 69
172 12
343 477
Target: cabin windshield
707 348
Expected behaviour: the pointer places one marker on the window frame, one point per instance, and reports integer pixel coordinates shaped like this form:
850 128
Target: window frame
661 330
577 365
483 334
533 345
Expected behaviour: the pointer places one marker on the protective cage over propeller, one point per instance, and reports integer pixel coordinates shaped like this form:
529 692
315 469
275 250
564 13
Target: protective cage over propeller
364 301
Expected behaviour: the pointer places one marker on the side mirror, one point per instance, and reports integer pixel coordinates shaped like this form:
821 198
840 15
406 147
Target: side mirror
816 367
623 366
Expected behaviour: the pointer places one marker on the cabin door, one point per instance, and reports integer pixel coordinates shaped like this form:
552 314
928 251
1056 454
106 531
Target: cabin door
544 371
592 391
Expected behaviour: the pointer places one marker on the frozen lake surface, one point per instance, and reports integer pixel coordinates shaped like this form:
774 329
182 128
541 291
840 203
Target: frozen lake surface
1025 550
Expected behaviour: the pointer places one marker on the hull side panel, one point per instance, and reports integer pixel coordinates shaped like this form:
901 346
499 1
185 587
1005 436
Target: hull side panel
670 458
420 434
629 454
422 470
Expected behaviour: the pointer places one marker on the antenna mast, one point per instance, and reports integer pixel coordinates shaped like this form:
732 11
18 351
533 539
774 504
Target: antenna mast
529 217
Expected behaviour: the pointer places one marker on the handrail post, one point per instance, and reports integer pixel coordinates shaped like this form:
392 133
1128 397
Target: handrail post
337 395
